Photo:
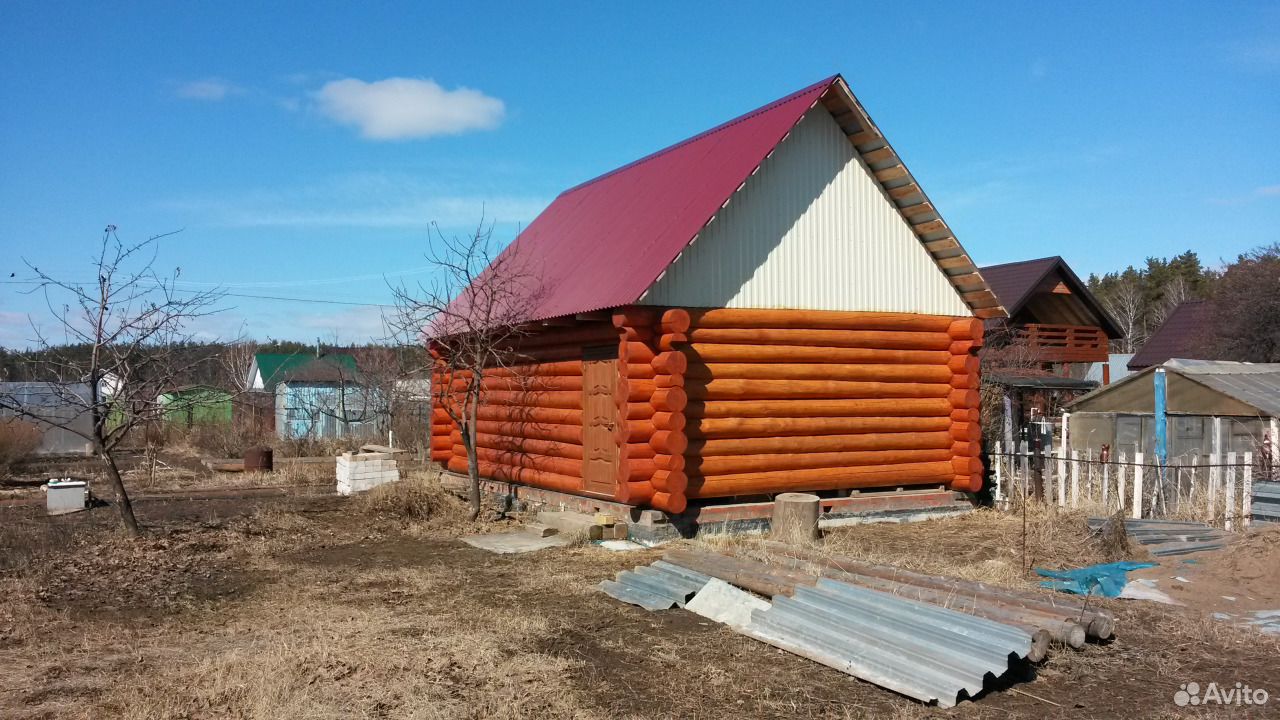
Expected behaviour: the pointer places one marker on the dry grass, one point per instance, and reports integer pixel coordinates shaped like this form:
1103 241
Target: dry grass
367 607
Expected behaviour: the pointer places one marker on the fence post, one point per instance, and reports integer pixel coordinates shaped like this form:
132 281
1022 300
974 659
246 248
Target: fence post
1062 478
1027 490
1120 496
1075 478
1213 487
1106 482
1137 486
998 458
1229 494
1246 492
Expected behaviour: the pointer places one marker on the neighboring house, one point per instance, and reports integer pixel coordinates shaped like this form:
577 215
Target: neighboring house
1184 334
60 418
192 404
267 368
1212 406
1066 333
772 305
1065 325
325 398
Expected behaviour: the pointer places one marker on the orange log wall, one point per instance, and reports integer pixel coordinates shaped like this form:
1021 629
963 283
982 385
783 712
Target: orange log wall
782 400
725 402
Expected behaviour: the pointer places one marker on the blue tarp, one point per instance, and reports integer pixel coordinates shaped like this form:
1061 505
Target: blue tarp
1107 579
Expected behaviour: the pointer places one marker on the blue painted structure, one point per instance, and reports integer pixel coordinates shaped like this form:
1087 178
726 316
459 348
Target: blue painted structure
326 410
1161 418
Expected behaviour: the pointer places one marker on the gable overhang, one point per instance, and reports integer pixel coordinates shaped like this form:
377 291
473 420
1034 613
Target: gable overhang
1078 289
910 199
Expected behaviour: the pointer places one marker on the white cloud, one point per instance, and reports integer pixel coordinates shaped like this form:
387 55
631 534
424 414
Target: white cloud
403 108
209 89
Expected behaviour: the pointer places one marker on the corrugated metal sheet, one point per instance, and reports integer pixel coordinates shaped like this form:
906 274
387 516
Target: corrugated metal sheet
922 651
1266 501
659 586
811 229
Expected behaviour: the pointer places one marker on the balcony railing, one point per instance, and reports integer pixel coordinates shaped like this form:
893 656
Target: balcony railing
1066 343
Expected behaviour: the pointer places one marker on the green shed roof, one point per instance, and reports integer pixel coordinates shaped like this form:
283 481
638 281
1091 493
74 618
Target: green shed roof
274 366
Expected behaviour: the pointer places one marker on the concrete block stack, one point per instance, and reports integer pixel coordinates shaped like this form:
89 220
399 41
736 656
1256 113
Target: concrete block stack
358 472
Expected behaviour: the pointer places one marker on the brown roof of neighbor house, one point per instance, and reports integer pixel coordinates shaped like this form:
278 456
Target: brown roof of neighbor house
1016 284
1181 336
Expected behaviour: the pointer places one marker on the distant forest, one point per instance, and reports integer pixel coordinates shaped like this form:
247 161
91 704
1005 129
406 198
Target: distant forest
1245 296
204 363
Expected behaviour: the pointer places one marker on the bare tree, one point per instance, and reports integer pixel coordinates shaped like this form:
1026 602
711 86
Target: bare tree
1125 304
121 348
1174 293
473 316
235 360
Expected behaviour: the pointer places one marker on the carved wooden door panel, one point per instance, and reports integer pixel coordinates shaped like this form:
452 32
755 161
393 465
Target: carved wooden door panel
599 426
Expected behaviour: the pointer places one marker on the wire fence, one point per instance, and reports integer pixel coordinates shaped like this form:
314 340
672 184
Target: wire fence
1229 490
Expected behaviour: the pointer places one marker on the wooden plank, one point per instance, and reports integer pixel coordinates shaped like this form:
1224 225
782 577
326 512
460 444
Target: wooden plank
946 243
879 155
922 208
906 191
988 313
971 280
980 298
958 261
929 226
892 173
863 137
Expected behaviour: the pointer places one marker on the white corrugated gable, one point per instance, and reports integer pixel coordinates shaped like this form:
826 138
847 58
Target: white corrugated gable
811 229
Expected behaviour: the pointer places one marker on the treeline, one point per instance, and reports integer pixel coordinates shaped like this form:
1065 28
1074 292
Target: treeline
1244 296
1140 299
217 364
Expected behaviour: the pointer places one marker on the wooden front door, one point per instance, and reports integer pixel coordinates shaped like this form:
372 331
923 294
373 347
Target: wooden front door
599 426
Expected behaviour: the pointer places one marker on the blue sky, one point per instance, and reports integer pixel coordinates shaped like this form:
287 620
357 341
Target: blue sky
296 164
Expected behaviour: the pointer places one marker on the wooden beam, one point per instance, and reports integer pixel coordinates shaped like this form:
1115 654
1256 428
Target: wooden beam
989 312
905 191
929 226
969 282
947 243
980 298
891 173
923 208
958 261
879 155
862 137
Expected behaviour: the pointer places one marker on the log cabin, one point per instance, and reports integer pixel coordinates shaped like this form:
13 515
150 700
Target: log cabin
771 305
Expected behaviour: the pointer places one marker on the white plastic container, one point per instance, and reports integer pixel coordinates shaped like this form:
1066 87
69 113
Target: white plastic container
66 496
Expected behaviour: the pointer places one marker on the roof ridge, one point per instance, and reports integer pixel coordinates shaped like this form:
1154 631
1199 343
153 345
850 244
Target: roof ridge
705 133
1055 258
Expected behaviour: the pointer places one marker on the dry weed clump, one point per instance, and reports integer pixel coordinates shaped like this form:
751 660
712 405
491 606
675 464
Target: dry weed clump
418 498
18 440
984 545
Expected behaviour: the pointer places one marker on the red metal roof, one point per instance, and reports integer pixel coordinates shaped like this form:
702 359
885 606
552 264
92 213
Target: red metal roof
603 243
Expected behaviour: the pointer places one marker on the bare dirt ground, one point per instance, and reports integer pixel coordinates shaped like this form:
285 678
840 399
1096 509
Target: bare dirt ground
321 607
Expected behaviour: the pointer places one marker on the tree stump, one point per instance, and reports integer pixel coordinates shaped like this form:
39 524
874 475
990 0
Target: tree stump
795 518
